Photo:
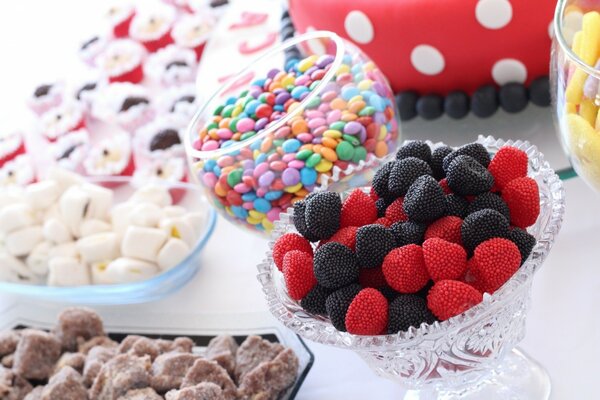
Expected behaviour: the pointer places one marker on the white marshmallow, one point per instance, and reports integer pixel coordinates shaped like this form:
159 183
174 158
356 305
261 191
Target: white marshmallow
99 247
20 243
16 216
101 201
11 195
142 243
119 217
92 226
172 253
126 270
158 195
37 261
67 271
100 275
174 211
197 220
51 212
68 249
74 205
179 228
145 214
14 270
56 231
64 178
42 195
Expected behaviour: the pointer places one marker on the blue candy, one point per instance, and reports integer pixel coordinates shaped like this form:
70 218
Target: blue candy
250 196
258 82
262 205
278 107
291 145
298 91
308 176
350 92
209 165
239 212
255 145
274 195
262 157
217 170
252 106
377 102
231 100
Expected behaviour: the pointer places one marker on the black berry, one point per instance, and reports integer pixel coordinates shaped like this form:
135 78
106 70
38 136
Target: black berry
389 293
337 304
408 310
335 266
381 205
408 232
539 91
437 161
314 301
373 243
475 150
456 205
468 177
322 214
524 241
484 102
299 220
513 97
491 201
425 200
430 106
416 148
380 180
481 226
404 173
407 104
456 104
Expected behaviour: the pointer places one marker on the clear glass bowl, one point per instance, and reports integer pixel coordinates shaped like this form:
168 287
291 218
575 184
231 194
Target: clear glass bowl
574 79
468 356
138 292
252 177
199 326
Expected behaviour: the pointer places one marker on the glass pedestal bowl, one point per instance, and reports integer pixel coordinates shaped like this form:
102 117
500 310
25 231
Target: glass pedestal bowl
469 356
271 134
575 79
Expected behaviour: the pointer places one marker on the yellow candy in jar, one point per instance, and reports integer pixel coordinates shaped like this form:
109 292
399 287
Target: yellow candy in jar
588 110
324 165
590 43
308 62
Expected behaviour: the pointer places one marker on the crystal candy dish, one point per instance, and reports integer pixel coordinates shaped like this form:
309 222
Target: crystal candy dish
468 356
138 292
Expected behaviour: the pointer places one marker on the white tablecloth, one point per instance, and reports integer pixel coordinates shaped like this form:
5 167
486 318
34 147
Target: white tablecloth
38 41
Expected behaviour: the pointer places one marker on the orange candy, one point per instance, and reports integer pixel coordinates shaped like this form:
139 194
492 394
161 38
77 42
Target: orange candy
329 154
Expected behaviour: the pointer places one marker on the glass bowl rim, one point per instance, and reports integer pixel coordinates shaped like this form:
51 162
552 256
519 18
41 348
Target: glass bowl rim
190 130
558 35
94 291
414 336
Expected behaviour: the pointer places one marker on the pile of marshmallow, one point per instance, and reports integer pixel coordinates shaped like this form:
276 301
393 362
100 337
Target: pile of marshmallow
65 231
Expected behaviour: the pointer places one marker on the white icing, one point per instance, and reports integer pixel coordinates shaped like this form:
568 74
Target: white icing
509 70
121 56
157 63
116 159
152 24
92 50
183 110
109 99
9 144
493 14
80 140
193 30
17 172
359 27
427 59
62 119
170 169
119 13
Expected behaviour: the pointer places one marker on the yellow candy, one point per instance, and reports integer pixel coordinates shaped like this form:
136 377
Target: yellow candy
237 111
256 153
268 225
288 80
253 221
591 38
365 84
228 210
597 123
293 106
574 92
256 214
343 69
370 66
324 165
382 132
307 63
588 110
571 108
577 42
584 142
358 97
293 189
332 133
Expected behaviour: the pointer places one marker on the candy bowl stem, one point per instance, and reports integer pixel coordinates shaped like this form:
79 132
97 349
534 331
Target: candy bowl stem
469 356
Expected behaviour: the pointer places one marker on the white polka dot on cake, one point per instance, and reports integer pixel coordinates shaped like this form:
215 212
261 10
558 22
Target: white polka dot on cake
427 59
358 26
493 14
509 70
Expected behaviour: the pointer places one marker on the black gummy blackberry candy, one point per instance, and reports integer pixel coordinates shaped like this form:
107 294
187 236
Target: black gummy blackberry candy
299 219
425 291
513 97
165 139
404 173
380 181
539 91
467 177
417 148
42 90
314 301
456 104
481 226
475 150
322 214
335 266
425 200
484 102
407 104
389 293
381 205
437 160
408 232
408 310
132 101
337 304
373 243
491 201
524 241
456 206
430 106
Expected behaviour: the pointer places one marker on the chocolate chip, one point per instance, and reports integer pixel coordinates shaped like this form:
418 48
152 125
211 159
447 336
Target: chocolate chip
164 139
218 3
177 63
67 152
42 90
133 101
184 99
88 42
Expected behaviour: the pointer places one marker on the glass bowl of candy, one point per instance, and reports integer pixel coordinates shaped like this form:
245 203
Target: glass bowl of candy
314 113
575 79
434 294
101 240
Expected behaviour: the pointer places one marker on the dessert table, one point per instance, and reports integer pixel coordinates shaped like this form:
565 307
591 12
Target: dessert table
39 42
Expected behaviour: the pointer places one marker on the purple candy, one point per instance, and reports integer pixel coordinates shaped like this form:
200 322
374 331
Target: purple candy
248 164
352 128
282 97
325 60
298 164
379 118
317 140
255 91
261 123
379 88
362 136
247 172
271 74
260 169
311 70
290 176
266 179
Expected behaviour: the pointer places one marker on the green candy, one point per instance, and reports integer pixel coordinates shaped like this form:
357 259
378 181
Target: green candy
303 154
247 135
345 151
218 109
313 103
262 98
365 112
247 100
313 160
235 177
360 154
233 124
244 94
212 125
338 126
278 142
314 85
227 111
353 140
289 88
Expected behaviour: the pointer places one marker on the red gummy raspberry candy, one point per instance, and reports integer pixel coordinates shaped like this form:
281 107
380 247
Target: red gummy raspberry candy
395 212
448 298
522 196
444 184
288 242
345 236
371 278
298 273
494 262
444 260
508 164
383 221
404 269
368 313
447 228
358 209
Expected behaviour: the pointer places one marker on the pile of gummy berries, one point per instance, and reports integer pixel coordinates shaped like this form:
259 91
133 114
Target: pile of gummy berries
437 230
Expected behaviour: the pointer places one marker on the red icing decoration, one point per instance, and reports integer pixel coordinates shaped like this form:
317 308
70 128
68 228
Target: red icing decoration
199 49
178 193
249 19
134 76
469 49
154 45
246 49
20 150
121 30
